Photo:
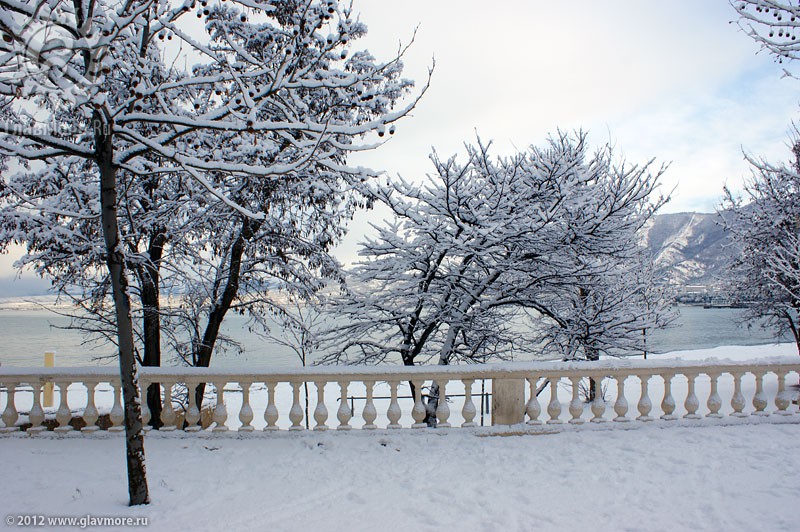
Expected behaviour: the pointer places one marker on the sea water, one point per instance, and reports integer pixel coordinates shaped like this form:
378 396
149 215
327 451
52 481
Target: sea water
27 333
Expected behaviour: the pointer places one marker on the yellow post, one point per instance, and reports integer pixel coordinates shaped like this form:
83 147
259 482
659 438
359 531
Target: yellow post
49 362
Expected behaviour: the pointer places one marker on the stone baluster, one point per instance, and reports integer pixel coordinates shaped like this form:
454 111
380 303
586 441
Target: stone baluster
782 398
246 412
554 407
344 414
576 405
760 399
321 411
90 413
10 414
36 416
645 405
370 414
533 409
63 414
598 405
193 409
714 401
621 404
668 403
418 412
442 408
271 412
296 412
469 411
737 401
117 416
168 415
220 415
691 404
393 412
146 415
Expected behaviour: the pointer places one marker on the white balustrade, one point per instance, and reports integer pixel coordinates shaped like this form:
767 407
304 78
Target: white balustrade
668 402
576 404
598 404
90 414
321 412
621 404
714 400
168 415
469 411
394 413
533 409
246 412
370 414
192 416
418 412
554 406
296 412
692 403
344 414
246 393
271 413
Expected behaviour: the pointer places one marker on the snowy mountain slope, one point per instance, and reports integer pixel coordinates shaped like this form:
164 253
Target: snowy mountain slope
689 248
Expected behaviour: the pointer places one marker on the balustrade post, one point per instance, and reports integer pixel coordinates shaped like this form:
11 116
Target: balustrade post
90 414
296 412
759 399
469 411
393 412
737 401
554 407
691 404
36 416
621 404
533 409
220 411
442 408
117 416
668 403
418 413
576 405
10 414
63 414
598 404
344 414
645 405
370 414
782 399
246 412
192 416
271 412
168 415
146 415
321 411
714 401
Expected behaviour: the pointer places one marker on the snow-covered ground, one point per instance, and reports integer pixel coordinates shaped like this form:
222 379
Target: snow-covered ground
654 476
650 478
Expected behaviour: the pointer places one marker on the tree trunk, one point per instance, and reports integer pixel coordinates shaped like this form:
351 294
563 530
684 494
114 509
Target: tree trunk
134 438
223 303
592 355
149 279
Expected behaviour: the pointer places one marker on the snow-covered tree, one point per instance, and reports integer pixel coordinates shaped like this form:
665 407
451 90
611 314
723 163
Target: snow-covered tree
773 24
764 227
538 251
101 119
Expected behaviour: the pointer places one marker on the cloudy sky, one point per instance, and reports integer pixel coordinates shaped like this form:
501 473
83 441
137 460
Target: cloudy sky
676 81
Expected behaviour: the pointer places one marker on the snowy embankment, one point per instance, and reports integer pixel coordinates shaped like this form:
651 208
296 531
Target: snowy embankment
658 476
